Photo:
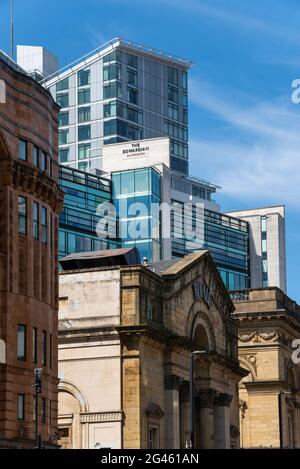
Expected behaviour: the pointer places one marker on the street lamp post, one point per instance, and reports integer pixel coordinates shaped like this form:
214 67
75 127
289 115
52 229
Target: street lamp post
38 388
192 411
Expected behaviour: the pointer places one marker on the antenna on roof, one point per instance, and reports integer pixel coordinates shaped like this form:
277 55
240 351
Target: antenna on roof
12 29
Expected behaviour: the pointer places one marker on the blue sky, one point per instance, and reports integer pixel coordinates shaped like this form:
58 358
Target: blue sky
244 128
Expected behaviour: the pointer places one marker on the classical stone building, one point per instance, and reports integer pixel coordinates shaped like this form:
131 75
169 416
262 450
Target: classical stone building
30 201
269 322
125 337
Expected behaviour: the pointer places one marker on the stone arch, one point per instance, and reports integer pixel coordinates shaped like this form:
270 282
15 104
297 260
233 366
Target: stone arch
4 148
198 324
68 387
248 366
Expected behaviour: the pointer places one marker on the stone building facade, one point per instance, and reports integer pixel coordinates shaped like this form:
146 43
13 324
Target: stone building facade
125 337
30 201
269 322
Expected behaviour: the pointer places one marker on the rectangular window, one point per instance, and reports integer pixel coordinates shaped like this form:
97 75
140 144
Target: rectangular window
114 90
62 84
173 76
62 99
50 351
112 72
173 111
84 114
21 342
115 55
22 211
84 77
83 166
36 161
22 150
110 127
43 161
132 77
64 155
63 136
184 80
184 100
132 60
83 151
44 226
132 95
110 109
44 348
84 96
63 118
34 345
153 437
84 132
21 407
36 220
44 410
185 116
172 94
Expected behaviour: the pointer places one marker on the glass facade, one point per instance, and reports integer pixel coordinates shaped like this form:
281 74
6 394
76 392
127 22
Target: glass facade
133 194
126 96
78 219
226 238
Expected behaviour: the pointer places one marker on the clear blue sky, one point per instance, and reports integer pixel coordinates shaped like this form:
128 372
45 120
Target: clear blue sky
244 129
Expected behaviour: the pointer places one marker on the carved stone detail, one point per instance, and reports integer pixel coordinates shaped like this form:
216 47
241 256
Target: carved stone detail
223 400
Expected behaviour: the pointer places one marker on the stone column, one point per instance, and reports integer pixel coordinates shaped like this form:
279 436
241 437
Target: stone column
172 435
222 421
184 414
205 419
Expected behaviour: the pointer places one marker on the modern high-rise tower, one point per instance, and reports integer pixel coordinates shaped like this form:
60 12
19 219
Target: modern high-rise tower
122 91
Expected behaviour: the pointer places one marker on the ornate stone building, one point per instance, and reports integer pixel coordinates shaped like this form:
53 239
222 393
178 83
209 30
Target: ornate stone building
125 337
30 201
269 322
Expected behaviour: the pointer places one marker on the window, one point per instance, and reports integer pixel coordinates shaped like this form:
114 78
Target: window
63 118
36 220
63 136
132 95
62 85
110 109
22 150
34 345
184 80
83 151
84 77
44 410
44 160
112 72
84 132
132 60
114 90
36 156
185 116
62 99
84 114
132 77
22 210
184 100
84 96
50 351
44 348
44 226
21 342
83 166
173 76
113 56
64 155
172 94
21 407
110 127
173 111
153 437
